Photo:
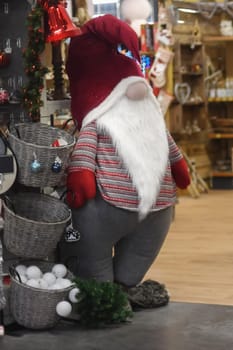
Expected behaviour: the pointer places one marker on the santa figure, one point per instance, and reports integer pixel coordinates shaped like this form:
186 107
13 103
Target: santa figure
125 167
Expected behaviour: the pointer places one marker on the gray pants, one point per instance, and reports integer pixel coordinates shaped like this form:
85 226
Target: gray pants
114 245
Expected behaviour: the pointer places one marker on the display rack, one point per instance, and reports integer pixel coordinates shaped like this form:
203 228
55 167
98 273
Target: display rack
219 106
13 37
188 112
189 107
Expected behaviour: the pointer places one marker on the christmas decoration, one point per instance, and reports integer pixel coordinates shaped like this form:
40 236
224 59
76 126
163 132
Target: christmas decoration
136 13
164 99
196 35
4 59
33 272
4 96
63 308
34 69
226 27
50 278
182 92
58 23
34 277
157 72
73 295
59 26
165 35
124 158
59 270
101 303
21 269
57 165
35 165
59 142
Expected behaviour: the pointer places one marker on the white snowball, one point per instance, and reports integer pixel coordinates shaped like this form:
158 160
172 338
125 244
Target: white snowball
43 284
49 277
21 269
59 270
72 295
23 278
64 282
63 308
33 283
2 331
55 286
33 272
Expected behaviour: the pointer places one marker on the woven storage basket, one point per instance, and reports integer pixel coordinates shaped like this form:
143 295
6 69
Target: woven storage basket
34 224
2 297
32 307
34 139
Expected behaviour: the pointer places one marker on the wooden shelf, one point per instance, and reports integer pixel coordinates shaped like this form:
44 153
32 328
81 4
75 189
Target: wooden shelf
220 135
220 99
192 74
222 173
217 38
198 103
187 104
188 44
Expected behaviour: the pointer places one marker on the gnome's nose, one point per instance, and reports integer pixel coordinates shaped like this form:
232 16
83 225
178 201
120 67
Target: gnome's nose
137 91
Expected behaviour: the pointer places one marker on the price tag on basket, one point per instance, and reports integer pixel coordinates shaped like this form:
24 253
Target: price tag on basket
71 234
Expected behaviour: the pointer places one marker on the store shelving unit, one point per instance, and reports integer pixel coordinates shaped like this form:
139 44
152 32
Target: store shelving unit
220 106
188 119
188 73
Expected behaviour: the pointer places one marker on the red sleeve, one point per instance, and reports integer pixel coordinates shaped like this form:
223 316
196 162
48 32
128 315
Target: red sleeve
180 174
179 168
81 182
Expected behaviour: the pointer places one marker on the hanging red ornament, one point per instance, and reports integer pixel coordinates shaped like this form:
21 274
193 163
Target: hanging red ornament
60 25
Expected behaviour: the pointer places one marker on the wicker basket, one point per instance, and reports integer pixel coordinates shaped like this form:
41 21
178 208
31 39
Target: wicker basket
32 307
30 140
2 297
34 224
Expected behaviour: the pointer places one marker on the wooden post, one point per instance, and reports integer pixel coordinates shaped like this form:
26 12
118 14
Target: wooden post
59 92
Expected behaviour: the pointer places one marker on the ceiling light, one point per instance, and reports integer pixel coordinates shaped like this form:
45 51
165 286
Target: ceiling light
186 10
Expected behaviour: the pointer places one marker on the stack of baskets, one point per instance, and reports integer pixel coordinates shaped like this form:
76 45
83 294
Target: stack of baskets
35 222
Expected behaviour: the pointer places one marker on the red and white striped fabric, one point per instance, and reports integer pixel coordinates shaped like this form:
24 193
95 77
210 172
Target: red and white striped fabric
96 152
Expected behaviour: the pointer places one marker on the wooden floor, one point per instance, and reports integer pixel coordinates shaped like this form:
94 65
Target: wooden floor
196 261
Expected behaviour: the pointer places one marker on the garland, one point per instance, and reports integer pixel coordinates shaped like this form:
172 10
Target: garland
34 69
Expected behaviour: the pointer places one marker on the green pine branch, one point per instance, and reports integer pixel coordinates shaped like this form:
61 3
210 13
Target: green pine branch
34 69
101 303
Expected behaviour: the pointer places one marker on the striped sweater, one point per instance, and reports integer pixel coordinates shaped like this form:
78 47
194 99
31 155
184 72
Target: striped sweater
95 151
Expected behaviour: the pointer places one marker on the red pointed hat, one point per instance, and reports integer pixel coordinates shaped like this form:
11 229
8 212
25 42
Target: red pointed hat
95 66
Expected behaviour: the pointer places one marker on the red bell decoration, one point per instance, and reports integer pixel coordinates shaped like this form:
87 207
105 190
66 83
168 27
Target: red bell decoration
60 25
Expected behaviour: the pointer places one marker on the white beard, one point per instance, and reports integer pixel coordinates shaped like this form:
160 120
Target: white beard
138 132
